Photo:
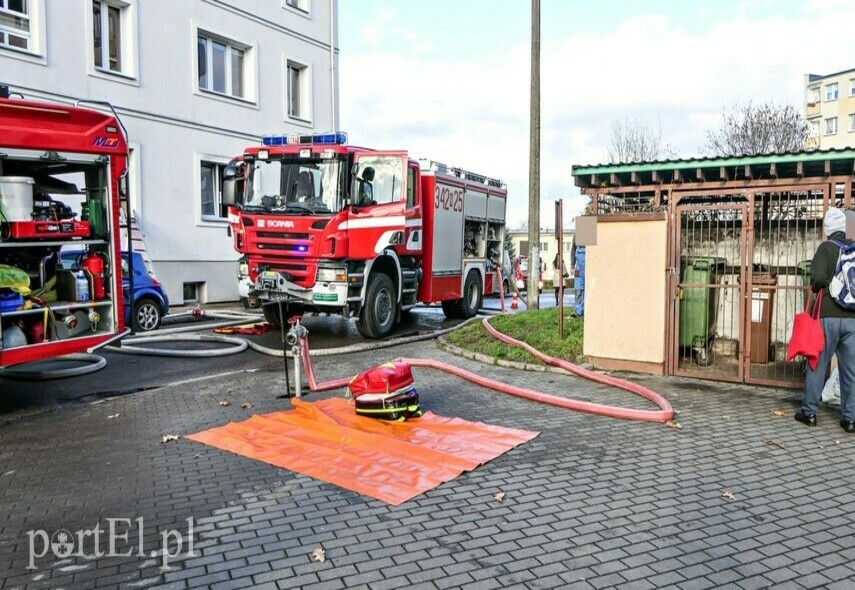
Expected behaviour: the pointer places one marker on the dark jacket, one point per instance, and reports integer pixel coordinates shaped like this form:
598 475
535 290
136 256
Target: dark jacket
822 269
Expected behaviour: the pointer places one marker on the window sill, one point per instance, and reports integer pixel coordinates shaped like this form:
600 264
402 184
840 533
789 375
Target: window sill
120 77
23 55
217 222
299 121
226 98
298 11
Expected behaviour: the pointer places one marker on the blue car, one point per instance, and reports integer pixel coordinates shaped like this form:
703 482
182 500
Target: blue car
150 300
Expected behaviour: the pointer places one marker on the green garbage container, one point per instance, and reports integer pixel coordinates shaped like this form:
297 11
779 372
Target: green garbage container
698 304
803 269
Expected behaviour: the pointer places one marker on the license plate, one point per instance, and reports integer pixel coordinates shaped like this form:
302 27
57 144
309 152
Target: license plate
325 297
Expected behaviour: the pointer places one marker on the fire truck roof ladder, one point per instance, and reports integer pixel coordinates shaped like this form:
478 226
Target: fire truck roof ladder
429 165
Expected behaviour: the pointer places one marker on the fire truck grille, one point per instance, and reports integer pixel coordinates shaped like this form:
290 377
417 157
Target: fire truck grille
281 235
297 271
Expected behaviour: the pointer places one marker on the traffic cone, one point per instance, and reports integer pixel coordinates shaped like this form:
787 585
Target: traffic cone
514 303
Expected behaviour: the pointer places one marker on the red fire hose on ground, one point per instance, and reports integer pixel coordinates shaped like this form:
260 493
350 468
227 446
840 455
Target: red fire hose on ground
664 414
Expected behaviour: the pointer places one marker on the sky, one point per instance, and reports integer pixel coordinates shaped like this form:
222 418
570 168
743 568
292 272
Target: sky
449 80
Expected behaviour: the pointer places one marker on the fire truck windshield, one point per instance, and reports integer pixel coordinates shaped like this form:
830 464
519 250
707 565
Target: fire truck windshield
299 187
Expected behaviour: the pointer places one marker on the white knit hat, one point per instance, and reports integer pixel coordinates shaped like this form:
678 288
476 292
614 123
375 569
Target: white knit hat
835 220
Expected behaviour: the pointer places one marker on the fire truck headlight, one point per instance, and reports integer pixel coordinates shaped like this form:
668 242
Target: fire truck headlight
243 269
331 275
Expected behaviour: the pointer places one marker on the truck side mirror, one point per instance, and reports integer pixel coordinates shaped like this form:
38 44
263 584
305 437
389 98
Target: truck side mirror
229 198
233 183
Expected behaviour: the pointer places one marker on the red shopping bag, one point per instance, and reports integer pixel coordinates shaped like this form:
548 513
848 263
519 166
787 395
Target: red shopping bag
808 339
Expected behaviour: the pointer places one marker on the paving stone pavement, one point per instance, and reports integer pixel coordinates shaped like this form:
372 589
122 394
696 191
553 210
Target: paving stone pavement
738 497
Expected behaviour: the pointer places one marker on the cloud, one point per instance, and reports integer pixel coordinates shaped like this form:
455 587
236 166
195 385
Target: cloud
473 110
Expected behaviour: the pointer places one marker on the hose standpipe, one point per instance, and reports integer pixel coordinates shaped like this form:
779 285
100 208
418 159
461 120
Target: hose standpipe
294 338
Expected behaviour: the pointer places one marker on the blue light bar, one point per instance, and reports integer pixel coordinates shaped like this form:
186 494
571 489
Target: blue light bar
333 138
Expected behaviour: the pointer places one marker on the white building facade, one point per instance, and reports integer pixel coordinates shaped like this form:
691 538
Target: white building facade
194 82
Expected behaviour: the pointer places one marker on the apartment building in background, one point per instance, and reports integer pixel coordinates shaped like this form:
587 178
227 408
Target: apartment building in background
830 110
194 83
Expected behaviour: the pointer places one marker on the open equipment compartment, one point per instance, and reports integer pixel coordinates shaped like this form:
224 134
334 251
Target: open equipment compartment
60 282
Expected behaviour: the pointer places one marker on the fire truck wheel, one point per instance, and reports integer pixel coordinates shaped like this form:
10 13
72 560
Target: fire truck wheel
450 309
470 303
147 315
378 314
271 315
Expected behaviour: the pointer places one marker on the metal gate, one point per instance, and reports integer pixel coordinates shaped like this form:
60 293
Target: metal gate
740 268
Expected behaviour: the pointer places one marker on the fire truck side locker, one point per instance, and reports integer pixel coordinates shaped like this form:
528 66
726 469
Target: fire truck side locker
45 179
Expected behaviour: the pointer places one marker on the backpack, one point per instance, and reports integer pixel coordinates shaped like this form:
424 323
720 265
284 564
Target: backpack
842 287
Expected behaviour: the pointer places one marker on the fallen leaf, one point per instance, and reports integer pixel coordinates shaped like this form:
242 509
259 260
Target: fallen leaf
673 424
499 497
246 405
169 437
197 455
224 403
726 417
111 416
676 412
319 555
837 442
776 443
780 413
727 494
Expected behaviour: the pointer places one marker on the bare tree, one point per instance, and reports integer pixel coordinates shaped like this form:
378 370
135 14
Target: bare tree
634 140
765 128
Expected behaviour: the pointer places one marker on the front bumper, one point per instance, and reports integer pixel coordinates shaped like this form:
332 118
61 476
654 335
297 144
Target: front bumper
273 286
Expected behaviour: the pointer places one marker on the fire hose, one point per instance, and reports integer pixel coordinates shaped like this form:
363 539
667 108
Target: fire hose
664 414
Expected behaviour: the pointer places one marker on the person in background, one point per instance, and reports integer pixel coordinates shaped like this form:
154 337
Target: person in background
558 276
577 259
838 326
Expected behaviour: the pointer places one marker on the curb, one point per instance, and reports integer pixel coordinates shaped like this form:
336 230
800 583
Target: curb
489 360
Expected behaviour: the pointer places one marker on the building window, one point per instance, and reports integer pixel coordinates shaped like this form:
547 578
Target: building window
298 91
813 95
15 24
107 35
544 246
852 87
831 126
211 191
852 122
302 5
831 91
813 128
221 66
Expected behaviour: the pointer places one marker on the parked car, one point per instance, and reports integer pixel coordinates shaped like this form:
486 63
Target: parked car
150 300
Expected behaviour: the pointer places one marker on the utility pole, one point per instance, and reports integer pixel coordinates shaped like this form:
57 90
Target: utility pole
534 163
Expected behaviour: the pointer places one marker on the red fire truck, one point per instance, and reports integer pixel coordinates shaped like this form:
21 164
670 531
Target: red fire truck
324 226
60 169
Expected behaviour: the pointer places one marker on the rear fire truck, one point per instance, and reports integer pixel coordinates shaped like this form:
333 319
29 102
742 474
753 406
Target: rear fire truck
60 168
324 226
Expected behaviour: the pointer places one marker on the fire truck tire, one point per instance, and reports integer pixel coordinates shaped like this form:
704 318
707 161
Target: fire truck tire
271 314
473 294
377 317
450 309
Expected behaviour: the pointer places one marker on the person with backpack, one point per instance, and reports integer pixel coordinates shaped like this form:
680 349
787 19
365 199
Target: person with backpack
829 270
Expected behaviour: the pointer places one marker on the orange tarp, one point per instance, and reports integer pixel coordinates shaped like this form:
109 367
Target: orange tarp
390 461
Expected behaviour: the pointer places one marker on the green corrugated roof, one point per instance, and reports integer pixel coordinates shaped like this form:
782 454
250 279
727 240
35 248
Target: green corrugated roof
788 158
